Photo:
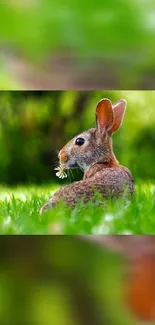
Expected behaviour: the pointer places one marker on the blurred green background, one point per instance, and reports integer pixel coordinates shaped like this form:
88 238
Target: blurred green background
77 45
35 125
60 280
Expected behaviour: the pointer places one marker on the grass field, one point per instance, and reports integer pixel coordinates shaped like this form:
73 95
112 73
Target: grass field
19 213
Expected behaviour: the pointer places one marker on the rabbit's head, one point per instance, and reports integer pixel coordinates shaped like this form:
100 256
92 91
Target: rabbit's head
95 145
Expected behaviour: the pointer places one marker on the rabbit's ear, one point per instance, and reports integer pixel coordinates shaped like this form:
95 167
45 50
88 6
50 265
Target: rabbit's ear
104 115
119 110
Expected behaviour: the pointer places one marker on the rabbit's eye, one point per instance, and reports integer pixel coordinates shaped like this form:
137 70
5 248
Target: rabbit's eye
79 141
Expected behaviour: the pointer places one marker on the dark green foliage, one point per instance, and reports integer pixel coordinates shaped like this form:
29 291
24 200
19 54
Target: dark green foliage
61 280
35 125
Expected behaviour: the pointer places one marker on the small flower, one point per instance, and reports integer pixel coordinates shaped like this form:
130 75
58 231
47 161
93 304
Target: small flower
61 171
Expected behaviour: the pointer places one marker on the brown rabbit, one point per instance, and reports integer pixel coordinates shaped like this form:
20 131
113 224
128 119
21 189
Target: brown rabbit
92 151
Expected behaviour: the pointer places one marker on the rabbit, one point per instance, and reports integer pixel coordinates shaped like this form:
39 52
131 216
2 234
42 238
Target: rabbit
92 151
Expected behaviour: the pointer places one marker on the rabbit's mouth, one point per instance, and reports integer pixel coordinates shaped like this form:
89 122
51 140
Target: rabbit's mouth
72 165
69 164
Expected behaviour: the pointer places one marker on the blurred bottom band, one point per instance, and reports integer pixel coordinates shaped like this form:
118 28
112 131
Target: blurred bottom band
83 280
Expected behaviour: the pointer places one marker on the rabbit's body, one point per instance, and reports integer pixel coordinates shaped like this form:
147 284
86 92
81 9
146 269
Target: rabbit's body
110 181
92 151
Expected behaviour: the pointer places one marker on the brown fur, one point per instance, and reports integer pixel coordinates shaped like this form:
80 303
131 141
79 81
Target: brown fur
102 171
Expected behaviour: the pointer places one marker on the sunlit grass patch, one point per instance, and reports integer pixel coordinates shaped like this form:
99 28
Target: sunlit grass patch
19 213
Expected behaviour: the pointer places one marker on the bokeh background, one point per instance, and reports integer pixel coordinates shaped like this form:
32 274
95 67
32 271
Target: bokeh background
63 280
77 45
34 125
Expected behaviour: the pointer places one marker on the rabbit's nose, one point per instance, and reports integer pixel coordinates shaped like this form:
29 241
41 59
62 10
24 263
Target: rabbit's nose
63 157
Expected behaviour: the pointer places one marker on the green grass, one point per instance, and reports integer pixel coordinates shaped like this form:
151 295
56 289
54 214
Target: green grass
19 213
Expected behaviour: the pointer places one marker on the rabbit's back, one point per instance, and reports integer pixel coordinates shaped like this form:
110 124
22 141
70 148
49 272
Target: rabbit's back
116 178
